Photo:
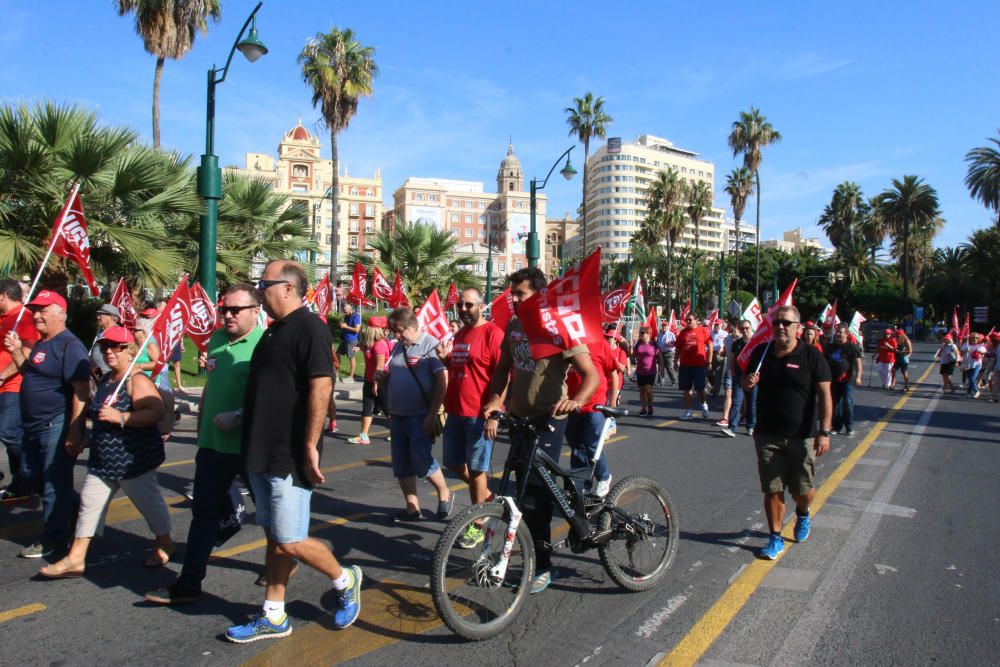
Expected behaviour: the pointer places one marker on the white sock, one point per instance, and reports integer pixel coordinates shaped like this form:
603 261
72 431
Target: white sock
344 581
275 611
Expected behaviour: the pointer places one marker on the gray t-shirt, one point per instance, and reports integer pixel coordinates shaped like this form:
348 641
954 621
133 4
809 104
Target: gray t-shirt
405 398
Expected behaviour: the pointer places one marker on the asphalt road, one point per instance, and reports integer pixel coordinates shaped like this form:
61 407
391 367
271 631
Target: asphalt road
899 569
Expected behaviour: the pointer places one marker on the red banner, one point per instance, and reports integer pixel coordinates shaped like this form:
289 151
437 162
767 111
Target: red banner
432 318
613 303
965 329
565 313
203 319
452 298
171 324
381 289
359 286
712 317
398 298
955 330
651 322
766 329
70 239
672 327
501 310
323 297
122 300
685 311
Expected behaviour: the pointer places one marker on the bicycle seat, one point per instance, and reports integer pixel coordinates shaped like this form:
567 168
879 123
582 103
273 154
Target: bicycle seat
611 412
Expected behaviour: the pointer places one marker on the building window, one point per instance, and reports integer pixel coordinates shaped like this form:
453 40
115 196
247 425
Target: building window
503 266
354 208
354 226
454 217
355 192
354 242
419 196
454 232
468 233
468 219
482 233
300 188
517 265
370 192
369 209
482 206
300 171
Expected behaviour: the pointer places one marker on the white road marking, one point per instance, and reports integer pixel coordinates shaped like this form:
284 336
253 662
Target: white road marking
653 623
883 569
593 654
873 507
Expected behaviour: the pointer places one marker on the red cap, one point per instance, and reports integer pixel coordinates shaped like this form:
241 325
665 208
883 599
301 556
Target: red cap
380 321
150 313
946 337
117 335
47 298
888 331
809 324
995 336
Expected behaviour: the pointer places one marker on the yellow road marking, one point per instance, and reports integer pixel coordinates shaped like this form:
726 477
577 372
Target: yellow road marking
708 628
666 423
21 611
177 463
356 464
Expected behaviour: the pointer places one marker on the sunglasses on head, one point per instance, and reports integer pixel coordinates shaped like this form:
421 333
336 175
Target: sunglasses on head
233 310
784 323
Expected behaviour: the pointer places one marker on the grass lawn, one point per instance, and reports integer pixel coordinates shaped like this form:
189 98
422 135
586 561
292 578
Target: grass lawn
191 378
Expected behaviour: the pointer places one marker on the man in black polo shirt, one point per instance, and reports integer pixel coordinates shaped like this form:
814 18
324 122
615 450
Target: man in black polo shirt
791 378
291 377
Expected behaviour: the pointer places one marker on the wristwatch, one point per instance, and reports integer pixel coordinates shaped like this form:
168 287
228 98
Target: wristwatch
825 434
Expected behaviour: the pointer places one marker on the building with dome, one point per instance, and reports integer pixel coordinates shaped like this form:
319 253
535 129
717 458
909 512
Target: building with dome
474 215
300 172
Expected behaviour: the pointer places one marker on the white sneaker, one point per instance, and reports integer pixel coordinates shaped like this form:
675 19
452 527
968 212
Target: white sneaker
687 415
726 431
704 410
603 486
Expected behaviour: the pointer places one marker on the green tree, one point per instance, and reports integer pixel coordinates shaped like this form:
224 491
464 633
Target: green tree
168 29
751 133
984 264
698 206
949 279
739 187
425 256
340 72
665 196
983 175
910 205
873 226
587 120
842 219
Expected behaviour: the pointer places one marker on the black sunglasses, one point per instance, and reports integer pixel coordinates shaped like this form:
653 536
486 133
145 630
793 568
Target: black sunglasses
466 304
784 323
118 347
263 283
233 310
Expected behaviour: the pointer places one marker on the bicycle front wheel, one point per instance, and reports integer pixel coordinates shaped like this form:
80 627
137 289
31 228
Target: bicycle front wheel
642 519
473 600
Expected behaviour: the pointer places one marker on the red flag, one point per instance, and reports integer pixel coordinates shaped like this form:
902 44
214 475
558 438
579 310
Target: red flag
651 322
170 325
452 298
613 303
712 317
565 313
398 298
965 329
432 318
673 322
69 237
322 297
765 331
381 289
685 311
501 310
955 330
359 286
203 319
122 300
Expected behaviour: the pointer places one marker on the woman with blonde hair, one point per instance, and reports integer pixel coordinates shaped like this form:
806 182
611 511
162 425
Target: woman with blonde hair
376 350
904 348
125 451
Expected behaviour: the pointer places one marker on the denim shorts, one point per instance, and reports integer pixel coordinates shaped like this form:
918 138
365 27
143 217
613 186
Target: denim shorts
689 376
411 448
282 507
464 443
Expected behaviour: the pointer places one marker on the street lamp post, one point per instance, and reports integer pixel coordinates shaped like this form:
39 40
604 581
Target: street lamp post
312 236
489 259
568 172
209 173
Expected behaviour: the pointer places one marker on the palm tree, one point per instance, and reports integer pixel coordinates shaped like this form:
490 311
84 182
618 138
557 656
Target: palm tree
699 204
843 217
664 196
587 120
983 176
739 186
425 256
748 136
909 204
852 256
340 72
873 226
168 29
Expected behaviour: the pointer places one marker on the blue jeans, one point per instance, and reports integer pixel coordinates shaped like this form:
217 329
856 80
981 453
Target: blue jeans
11 436
843 405
739 394
48 469
583 431
973 380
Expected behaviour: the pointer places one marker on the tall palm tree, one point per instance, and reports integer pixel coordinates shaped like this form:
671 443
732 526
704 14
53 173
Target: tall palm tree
340 72
664 196
983 176
852 256
748 136
909 203
587 120
873 226
698 206
842 218
168 29
739 187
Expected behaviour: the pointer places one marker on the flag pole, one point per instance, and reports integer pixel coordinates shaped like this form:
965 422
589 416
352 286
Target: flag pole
128 371
761 362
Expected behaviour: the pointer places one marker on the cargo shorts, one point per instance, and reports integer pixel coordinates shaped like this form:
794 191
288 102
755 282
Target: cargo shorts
785 463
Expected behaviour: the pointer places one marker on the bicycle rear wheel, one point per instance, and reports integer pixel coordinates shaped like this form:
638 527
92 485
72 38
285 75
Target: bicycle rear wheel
645 533
471 600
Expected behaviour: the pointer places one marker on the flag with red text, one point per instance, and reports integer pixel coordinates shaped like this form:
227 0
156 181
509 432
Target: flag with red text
70 239
172 323
765 331
122 300
203 319
381 289
432 319
753 314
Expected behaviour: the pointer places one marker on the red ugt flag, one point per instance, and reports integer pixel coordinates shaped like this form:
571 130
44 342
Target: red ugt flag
171 324
322 298
765 331
203 319
452 298
613 303
432 318
565 313
501 310
685 311
955 330
359 286
672 327
122 300
381 289
398 298
69 237
965 329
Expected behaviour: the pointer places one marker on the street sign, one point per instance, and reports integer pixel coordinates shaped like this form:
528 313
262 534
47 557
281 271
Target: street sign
918 312
734 309
770 296
981 314
614 145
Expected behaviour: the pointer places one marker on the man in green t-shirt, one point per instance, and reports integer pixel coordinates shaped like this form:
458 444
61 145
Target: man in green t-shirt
219 417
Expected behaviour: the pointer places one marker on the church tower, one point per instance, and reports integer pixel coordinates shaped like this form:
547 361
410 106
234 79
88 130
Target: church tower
510 177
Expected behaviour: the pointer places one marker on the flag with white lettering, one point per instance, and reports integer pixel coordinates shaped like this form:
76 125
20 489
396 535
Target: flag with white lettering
711 319
122 300
452 299
502 310
765 331
685 311
613 303
399 298
753 314
955 330
322 298
203 319
70 239
672 326
359 286
381 289
432 318
965 329
171 324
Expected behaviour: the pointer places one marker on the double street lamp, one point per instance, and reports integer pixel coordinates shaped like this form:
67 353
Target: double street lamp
209 173
568 172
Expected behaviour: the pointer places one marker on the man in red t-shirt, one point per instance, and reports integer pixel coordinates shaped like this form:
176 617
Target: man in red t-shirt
694 355
10 381
471 357
584 428
885 356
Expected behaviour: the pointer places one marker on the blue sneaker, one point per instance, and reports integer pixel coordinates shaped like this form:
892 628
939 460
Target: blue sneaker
540 582
803 523
775 545
259 628
349 600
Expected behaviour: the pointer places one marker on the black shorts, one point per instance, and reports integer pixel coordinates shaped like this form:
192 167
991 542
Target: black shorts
948 368
346 348
370 403
645 380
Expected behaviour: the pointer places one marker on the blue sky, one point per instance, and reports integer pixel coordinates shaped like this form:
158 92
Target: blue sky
865 91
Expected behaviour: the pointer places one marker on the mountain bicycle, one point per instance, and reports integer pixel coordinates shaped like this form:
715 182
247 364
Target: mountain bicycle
479 592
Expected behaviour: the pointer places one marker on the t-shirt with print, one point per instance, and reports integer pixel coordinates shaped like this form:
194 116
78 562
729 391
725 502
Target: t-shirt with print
842 360
380 347
406 397
227 367
49 373
536 385
645 359
29 335
602 357
975 354
475 353
691 344
886 351
786 392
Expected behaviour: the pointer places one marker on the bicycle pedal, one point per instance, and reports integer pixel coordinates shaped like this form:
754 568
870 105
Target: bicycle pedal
557 546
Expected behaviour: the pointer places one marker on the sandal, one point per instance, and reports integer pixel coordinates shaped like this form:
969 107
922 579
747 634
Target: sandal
160 556
63 569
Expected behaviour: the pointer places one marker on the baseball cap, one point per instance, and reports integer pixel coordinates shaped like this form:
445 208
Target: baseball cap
117 334
810 324
380 321
150 313
946 337
888 331
47 298
108 309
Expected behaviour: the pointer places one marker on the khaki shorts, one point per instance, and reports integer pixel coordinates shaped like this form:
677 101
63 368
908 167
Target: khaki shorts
784 463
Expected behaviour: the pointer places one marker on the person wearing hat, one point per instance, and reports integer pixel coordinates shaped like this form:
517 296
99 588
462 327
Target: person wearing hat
810 335
375 348
991 366
885 358
947 355
10 382
55 390
125 451
975 353
107 317
904 348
